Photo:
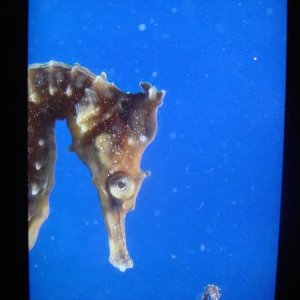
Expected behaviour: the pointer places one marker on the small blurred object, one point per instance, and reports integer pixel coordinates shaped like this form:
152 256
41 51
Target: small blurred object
211 292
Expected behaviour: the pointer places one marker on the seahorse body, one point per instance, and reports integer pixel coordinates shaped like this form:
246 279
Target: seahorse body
110 131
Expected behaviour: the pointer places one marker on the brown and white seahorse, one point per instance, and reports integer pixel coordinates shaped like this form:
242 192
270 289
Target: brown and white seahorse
110 131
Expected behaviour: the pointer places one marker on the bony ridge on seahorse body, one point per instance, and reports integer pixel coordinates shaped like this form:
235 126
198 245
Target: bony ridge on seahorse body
110 132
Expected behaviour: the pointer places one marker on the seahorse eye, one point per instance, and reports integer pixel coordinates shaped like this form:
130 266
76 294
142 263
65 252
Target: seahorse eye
121 186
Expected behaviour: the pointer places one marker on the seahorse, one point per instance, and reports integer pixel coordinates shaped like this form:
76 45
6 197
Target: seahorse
110 131
211 292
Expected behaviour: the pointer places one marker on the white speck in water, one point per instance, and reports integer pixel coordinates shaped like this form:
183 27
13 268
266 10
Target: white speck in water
255 58
52 237
142 27
173 256
202 247
154 74
95 222
206 75
172 135
174 10
174 190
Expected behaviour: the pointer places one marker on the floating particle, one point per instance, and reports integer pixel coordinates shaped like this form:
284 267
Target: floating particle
154 74
202 247
142 27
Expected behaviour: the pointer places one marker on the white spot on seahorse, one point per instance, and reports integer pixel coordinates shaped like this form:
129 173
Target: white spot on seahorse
99 80
86 109
52 90
69 91
51 64
131 141
143 138
33 97
104 144
38 165
152 93
84 114
41 142
107 116
34 189
104 76
90 96
75 69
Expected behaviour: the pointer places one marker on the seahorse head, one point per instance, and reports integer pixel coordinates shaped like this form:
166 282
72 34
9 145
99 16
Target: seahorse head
111 131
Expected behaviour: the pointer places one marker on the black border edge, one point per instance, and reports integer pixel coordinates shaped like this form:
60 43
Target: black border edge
288 252
14 244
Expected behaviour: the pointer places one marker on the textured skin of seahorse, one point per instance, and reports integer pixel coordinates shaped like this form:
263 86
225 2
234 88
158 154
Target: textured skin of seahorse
110 132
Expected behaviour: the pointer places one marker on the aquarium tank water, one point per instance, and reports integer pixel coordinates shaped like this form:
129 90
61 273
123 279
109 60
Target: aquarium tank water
209 213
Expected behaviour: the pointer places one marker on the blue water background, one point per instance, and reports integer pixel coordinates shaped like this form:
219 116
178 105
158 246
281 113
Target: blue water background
209 213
